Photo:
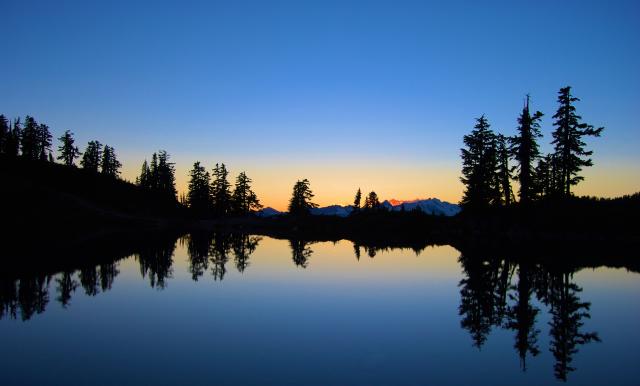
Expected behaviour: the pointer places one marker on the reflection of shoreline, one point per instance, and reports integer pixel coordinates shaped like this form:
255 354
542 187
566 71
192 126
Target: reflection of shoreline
496 292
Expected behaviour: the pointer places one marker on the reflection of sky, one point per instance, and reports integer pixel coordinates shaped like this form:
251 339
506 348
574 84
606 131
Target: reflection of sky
350 94
388 320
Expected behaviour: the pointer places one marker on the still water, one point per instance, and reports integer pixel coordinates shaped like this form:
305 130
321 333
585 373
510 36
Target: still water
239 309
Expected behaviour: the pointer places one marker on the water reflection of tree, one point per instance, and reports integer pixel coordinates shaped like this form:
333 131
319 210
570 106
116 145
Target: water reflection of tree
156 263
567 312
219 255
65 286
215 248
26 296
198 244
300 252
483 295
484 304
93 278
521 315
243 246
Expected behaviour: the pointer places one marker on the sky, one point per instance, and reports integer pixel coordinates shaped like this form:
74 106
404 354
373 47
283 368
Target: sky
349 94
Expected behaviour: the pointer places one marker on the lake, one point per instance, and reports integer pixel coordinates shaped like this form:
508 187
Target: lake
213 308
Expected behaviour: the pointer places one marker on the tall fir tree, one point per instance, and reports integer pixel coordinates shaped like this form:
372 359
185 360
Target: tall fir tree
300 203
504 170
244 200
357 199
198 195
92 156
221 190
145 176
67 149
164 175
43 147
568 141
29 139
110 165
524 147
479 167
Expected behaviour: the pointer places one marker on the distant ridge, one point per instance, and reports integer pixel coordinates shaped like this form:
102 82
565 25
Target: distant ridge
432 206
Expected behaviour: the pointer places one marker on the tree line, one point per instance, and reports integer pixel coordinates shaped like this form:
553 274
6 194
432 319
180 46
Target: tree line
486 170
33 141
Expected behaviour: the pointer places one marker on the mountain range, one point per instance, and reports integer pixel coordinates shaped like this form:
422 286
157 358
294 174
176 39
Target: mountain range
430 205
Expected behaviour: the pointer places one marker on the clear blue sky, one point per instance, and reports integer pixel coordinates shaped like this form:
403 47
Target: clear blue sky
375 94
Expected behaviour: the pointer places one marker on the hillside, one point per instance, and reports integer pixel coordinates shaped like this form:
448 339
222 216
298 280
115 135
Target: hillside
53 203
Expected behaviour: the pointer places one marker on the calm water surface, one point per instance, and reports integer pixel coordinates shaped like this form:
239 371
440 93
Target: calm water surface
239 309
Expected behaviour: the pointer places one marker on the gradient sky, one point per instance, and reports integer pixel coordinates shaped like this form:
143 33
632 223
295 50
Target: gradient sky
370 94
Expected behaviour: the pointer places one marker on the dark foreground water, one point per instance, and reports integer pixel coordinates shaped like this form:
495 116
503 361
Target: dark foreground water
254 310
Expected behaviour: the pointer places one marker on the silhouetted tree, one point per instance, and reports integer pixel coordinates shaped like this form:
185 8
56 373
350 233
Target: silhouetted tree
504 171
221 190
479 167
44 143
68 151
568 140
164 174
4 132
243 199
110 165
356 200
525 150
144 180
92 156
30 139
12 141
372 202
300 203
198 195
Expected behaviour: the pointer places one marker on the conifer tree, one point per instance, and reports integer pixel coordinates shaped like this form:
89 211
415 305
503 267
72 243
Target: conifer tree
12 142
479 166
164 175
68 151
145 174
525 150
300 203
198 195
29 139
568 140
221 190
110 165
372 202
243 199
504 170
43 147
357 199
4 132
92 156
